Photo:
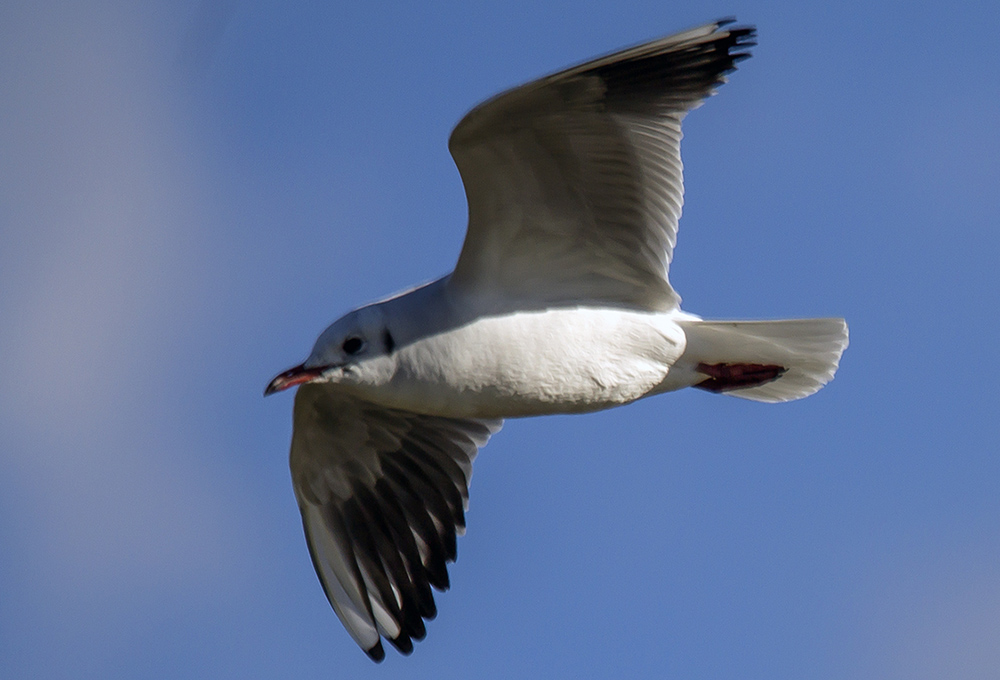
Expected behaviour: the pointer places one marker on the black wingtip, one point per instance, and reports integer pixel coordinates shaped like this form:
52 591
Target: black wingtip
403 644
429 608
739 31
376 653
437 575
417 630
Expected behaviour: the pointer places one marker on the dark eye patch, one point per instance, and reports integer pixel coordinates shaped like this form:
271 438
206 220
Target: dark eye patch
353 345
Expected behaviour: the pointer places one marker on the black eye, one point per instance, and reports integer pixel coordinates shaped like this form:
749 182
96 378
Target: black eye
353 345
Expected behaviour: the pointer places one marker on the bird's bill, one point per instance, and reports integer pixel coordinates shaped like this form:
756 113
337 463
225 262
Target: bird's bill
292 377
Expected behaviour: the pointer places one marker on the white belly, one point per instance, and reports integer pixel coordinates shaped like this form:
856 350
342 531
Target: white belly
533 363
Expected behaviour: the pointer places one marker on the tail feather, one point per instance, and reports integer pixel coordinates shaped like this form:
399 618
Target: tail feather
808 351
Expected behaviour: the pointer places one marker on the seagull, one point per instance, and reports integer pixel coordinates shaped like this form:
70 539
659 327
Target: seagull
559 303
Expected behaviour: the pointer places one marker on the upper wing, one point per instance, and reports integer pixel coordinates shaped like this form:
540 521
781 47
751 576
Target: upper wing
382 494
574 181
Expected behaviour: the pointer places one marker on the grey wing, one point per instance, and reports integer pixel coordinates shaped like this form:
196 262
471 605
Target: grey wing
574 181
383 495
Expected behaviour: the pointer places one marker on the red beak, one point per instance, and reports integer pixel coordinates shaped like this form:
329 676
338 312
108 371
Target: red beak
292 377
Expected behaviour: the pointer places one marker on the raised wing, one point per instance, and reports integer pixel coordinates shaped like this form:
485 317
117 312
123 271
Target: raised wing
382 495
574 181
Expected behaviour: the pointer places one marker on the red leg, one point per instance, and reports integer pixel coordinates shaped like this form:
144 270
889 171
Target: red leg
725 377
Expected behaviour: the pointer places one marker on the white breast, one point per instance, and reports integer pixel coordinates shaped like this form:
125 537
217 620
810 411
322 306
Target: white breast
533 363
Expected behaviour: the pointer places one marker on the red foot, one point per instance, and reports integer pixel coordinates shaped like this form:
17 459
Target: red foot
726 377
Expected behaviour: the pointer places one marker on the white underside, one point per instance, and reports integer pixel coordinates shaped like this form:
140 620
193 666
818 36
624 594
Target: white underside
568 360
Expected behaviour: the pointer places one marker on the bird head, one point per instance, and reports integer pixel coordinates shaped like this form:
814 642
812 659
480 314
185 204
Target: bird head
355 350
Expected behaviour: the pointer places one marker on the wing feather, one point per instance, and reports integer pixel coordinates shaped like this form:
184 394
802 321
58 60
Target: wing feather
383 495
574 181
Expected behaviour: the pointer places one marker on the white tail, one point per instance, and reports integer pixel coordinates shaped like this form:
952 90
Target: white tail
793 358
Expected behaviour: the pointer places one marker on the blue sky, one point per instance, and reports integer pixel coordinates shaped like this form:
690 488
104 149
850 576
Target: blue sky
190 193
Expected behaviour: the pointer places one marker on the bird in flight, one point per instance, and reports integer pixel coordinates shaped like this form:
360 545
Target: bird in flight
559 303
